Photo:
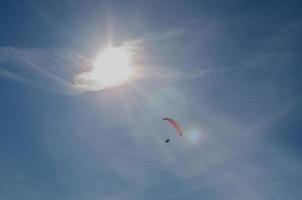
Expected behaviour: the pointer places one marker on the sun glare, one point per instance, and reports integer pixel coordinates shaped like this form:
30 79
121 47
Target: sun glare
112 67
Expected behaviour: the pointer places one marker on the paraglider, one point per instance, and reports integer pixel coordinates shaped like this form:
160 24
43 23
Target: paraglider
174 124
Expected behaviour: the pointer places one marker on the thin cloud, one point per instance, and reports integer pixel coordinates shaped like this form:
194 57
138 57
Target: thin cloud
65 71
48 69
154 37
9 75
168 74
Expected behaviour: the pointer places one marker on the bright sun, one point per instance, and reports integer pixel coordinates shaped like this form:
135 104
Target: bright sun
112 67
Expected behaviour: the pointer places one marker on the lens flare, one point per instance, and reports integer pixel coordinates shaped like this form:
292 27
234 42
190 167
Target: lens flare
194 136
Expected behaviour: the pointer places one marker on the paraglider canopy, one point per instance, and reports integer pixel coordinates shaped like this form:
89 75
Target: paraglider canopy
174 124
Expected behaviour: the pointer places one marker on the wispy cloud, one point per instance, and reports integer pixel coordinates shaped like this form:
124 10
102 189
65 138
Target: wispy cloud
9 75
154 37
48 69
61 71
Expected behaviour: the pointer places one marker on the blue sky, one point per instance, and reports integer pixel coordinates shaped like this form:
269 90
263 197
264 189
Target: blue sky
228 71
